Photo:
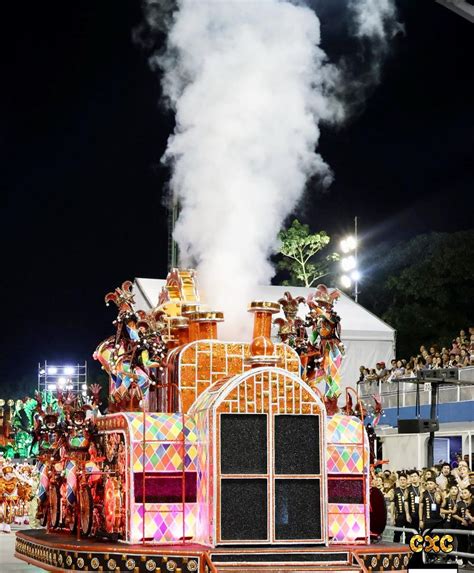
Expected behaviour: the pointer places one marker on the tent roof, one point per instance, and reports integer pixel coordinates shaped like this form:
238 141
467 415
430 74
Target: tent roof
357 322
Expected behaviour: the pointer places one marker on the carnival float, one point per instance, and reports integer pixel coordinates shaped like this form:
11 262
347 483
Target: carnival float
213 455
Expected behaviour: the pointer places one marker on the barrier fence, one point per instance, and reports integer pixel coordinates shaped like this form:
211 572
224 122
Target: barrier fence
454 532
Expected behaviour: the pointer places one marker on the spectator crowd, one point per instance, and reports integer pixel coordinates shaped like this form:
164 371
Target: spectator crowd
439 497
459 355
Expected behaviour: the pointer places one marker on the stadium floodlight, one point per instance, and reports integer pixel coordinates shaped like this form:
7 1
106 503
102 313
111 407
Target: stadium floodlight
51 387
69 370
348 244
348 263
346 281
62 381
52 370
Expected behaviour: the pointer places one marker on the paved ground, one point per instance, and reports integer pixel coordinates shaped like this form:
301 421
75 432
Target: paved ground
9 563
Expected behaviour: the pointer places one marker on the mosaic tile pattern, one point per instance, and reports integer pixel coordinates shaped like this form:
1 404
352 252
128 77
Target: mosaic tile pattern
204 362
261 391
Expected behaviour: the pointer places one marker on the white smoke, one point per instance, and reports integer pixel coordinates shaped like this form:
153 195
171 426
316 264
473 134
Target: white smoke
249 85
371 17
375 21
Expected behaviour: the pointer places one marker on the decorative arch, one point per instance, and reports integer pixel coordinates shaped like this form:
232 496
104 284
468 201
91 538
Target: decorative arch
265 458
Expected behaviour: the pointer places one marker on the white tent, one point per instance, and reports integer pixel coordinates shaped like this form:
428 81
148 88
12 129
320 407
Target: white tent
367 339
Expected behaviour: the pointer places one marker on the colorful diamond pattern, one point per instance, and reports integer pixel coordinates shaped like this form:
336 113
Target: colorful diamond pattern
345 429
160 426
163 522
164 456
346 522
345 459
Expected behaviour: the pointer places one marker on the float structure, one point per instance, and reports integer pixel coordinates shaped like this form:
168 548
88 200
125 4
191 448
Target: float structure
232 463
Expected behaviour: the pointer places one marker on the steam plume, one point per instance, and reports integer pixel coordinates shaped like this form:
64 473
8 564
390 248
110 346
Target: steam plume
250 86
376 22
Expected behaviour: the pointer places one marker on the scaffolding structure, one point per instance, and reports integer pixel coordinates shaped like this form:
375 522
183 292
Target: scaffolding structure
63 377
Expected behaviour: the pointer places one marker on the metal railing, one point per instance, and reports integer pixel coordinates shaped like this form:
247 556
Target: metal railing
453 532
388 392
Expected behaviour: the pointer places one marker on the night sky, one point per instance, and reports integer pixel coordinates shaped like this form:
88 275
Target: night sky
82 133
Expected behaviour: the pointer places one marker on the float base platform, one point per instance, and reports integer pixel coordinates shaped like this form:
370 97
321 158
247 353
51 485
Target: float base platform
61 552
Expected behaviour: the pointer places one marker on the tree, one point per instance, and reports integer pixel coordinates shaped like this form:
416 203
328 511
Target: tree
424 288
299 249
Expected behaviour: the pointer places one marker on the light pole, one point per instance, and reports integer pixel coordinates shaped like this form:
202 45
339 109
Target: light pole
349 263
356 272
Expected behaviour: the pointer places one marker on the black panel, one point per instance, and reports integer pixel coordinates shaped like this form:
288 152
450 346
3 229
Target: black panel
342 489
243 444
286 556
244 509
297 445
297 509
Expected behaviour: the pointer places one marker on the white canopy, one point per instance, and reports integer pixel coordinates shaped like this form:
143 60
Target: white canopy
366 337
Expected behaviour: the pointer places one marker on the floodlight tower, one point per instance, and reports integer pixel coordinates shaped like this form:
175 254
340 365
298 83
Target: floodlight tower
63 377
349 263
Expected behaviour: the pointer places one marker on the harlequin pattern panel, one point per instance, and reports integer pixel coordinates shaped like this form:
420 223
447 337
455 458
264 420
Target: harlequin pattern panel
346 522
164 456
160 427
345 459
164 522
345 430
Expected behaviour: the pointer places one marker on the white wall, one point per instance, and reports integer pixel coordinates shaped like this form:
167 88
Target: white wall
405 451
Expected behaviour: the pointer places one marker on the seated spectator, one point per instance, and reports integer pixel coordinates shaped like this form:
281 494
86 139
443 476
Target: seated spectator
382 372
471 482
464 358
399 370
410 370
453 363
455 349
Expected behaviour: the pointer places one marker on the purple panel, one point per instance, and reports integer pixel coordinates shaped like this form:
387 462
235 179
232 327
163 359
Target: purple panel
343 490
165 487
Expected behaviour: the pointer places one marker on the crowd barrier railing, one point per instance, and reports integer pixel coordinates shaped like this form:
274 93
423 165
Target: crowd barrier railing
454 532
